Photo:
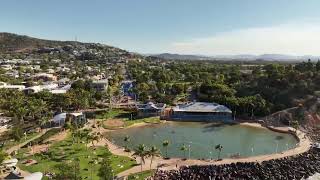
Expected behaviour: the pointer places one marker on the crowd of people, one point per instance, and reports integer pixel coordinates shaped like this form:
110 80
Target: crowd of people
294 167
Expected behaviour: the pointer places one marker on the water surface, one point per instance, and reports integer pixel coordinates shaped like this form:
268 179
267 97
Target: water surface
202 138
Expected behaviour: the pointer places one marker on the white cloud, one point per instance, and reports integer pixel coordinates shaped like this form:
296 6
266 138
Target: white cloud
293 39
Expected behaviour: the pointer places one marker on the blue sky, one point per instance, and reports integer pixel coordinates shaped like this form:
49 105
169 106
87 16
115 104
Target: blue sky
208 27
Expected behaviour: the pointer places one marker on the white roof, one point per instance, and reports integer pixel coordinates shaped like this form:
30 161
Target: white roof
105 81
59 117
76 114
58 91
10 162
34 176
202 107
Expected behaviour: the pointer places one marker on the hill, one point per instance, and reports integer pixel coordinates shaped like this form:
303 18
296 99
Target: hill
13 43
180 57
241 57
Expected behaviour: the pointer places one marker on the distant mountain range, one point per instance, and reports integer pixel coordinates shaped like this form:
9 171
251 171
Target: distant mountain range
266 57
19 43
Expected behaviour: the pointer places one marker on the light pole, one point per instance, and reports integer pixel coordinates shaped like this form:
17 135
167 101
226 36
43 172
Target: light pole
210 155
189 150
252 151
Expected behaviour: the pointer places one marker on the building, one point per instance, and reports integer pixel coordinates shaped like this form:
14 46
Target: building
200 111
126 88
62 118
150 109
100 85
45 77
8 86
35 89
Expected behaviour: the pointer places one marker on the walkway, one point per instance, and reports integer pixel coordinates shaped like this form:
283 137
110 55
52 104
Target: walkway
18 146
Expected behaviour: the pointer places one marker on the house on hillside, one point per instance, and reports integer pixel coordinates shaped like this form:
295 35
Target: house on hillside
8 86
150 109
44 77
100 85
200 111
35 89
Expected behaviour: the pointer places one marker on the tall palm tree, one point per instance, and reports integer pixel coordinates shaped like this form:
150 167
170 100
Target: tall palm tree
219 147
141 152
295 125
165 144
152 153
183 148
94 137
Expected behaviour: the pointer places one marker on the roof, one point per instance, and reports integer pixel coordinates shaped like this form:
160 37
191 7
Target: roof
202 107
59 117
151 105
101 81
13 176
76 114
10 162
34 176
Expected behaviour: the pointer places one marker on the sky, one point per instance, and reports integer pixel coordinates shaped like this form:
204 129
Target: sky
206 27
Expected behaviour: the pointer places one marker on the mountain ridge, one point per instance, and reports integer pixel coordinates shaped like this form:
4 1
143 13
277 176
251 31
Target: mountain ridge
271 57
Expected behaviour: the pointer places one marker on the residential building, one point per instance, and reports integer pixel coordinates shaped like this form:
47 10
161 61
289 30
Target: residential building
100 85
8 86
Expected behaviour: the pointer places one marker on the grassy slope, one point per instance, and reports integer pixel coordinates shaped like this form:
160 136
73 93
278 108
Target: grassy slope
124 115
65 151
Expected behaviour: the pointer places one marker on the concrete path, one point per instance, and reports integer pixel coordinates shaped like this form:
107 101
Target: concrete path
17 147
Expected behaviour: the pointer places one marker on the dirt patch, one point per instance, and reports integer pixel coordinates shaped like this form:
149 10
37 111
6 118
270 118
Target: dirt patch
113 123
47 143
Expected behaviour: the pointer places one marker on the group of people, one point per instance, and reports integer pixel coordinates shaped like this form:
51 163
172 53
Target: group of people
295 167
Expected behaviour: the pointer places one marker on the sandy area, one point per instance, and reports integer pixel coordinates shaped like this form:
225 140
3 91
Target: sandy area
113 123
44 147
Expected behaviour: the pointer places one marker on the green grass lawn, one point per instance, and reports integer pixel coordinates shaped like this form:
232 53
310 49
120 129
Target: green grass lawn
49 133
146 120
65 151
125 116
113 113
141 175
9 144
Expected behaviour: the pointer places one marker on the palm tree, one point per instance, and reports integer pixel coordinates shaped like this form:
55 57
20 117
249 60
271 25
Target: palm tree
184 149
94 137
219 147
152 153
126 140
295 125
165 144
141 152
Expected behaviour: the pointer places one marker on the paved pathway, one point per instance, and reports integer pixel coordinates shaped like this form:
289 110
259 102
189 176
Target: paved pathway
18 146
